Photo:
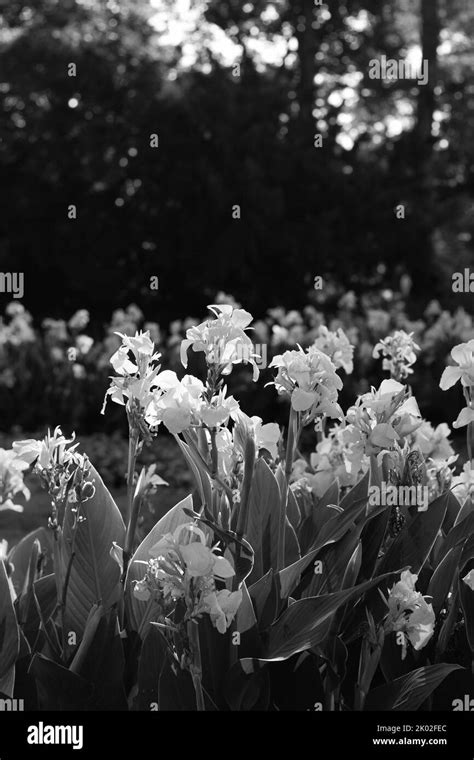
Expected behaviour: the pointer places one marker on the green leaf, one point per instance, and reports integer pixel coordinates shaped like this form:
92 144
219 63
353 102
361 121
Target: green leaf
466 596
332 531
20 555
413 544
95 576
262 523
409 691
247 691
9 633
266 599
99 660
443 577
58 688
202 478
152 660
140 613
305 623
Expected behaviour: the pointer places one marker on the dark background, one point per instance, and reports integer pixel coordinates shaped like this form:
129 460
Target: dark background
226 140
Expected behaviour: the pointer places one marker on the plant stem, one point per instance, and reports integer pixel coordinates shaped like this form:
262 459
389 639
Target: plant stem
468 397
292 437
196 664
133 505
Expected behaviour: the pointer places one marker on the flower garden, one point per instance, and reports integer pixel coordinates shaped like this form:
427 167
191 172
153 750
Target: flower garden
323 562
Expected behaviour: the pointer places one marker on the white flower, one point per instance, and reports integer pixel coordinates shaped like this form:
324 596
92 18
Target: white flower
462 485
337 346
380 420
11 480
223 339
463 355
310 378
50 451
175 403
217 412
433 442
134 363
410 613
399 350
266 436
222 607
84 344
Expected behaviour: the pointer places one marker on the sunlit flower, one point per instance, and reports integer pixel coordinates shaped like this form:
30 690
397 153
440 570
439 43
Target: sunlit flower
337 346
11 480
463 355
218 411
399 352
266 436
50 451
134 363
175 402
223 340
310 379
410 613
222 607
433 442
379 420
462 485
184 566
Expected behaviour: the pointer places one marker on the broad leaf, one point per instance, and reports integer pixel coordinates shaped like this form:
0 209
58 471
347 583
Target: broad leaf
140 613
9 633
409 691
94 576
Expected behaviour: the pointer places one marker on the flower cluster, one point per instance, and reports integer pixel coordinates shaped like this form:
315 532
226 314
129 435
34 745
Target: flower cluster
134 363
379 420
181 404
62 469
184 566
223 340
11 480
399 352
266 437
409 613
463 355
310 379
337 346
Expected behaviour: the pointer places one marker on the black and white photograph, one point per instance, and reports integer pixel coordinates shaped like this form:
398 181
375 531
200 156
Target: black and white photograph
237 372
